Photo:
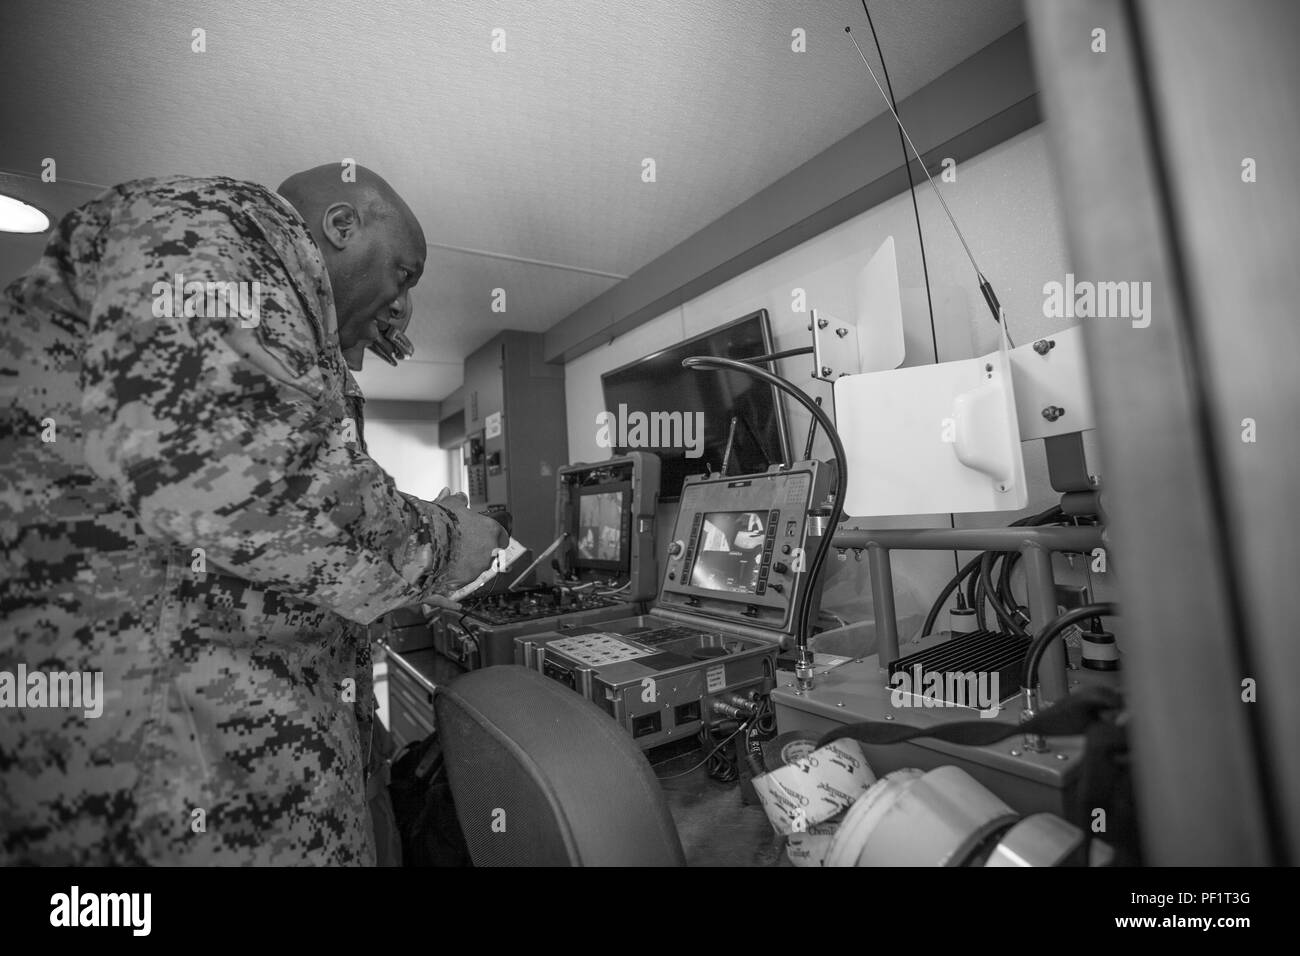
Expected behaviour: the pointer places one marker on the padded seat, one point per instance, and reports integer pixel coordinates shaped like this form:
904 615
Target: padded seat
543 777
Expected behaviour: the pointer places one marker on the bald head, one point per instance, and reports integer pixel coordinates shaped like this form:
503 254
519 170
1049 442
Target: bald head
313 191
372 245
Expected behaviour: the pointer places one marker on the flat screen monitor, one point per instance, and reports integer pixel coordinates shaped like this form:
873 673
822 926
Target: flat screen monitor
729 553
686 414
601 528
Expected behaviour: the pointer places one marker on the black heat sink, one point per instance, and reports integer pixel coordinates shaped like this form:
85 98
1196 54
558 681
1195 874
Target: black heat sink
993 652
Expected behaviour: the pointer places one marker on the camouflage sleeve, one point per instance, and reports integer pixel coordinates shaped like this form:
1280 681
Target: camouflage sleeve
229 434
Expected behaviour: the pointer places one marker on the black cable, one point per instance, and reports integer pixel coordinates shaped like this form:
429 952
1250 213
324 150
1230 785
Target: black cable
1034 656
841 460
812 433
916 212
765 720
953 584
776 356
1053 515
1002 612
1008 596
754 753
720 764
1043 517
673 776
973 600
977 588
911 183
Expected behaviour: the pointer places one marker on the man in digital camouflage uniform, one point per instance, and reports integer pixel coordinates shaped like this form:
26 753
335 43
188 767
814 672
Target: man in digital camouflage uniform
186 507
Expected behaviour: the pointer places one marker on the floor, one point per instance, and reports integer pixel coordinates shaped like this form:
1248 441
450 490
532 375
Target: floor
715 825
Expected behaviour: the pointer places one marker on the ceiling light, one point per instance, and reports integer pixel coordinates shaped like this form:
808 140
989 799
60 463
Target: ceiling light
18 216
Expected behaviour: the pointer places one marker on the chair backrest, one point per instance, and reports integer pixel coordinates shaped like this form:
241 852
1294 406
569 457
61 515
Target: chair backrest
542 777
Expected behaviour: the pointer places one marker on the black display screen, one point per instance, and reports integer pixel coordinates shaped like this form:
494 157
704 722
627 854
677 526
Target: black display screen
685 414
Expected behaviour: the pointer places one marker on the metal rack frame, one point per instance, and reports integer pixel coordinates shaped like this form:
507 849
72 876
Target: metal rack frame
1036 546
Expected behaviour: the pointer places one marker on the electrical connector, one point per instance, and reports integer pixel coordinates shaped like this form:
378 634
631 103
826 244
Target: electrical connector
1100 652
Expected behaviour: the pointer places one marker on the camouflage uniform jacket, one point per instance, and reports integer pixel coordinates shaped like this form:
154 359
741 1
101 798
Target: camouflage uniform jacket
185 508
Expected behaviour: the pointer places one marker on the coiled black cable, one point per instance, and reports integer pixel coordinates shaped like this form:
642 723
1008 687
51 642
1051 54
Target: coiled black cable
718 762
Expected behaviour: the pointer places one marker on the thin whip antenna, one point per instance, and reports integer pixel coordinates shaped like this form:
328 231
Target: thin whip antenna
985 288
915 151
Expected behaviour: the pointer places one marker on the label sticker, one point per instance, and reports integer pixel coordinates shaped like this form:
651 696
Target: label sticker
492 425
715 678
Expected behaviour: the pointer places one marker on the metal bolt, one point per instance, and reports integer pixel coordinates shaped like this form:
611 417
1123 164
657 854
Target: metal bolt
988 367
809 326
1053 412
839 703
1062 756
889 716
1015 753
841 332
826 371
822 323
1043 346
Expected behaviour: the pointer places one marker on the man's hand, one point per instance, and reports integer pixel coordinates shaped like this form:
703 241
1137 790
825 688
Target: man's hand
391 346
479 537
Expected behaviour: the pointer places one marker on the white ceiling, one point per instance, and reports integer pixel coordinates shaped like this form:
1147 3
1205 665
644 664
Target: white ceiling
531 154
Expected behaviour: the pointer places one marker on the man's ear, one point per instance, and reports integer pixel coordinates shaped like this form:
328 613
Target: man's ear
340 224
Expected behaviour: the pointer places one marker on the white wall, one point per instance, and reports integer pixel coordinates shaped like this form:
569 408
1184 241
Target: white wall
1006 203
409 452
